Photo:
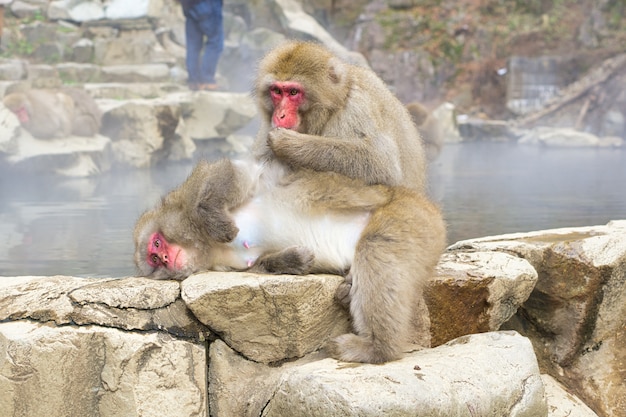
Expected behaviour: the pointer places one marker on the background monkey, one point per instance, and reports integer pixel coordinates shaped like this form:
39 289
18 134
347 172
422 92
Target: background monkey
389 237
87 115
429 127
44 113
55 113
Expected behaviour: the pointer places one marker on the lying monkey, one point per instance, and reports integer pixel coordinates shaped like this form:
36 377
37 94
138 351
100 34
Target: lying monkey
388 238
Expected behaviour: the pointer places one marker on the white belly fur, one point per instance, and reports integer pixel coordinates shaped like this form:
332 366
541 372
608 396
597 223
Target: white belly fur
267 225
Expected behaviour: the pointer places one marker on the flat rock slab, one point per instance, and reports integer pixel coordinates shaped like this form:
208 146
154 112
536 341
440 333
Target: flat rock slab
129 303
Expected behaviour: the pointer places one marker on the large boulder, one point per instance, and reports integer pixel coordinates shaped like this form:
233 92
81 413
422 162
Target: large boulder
268 318
73 156
88 371
501 379
210 115
474 292
576 315
146 131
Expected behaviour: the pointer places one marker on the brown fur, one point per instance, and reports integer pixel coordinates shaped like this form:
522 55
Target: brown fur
356 148
50 112
87 115
57 113
351 123
429 128
394 256
195 216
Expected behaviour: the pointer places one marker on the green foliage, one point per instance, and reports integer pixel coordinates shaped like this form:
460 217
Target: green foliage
20 47
616 9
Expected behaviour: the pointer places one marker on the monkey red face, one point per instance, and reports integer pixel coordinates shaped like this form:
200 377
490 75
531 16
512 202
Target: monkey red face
22 115
287 97
161 254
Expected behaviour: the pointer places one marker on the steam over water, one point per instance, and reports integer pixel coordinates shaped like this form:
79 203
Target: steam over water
83 227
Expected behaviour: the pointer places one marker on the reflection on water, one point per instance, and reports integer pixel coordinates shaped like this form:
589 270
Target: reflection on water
83 227
493 188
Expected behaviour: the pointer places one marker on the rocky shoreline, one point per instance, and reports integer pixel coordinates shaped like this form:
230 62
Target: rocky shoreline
526 324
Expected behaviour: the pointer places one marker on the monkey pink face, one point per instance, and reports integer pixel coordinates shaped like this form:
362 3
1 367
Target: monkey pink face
287 97
162 254
22 115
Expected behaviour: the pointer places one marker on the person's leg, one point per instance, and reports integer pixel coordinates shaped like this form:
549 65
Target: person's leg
193 39
213 28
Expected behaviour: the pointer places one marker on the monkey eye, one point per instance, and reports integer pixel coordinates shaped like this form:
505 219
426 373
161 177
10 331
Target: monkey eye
157 243
155 259
293 91
276 90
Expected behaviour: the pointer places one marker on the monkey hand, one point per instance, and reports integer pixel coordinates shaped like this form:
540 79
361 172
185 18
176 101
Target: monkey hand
295 260
343 292
218 225
280 138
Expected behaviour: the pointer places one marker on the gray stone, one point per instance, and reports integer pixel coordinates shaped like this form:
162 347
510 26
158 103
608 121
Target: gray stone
83 50
43 76
491 374
575 316
124 91
561 403
73 156
239 387
296 21
563 137
12 69
476 292
229 112
128 304
24 10
79 72
145 131
268 318
135 73
89 371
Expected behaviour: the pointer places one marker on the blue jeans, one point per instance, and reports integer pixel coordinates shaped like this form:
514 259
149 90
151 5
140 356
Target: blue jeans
204 29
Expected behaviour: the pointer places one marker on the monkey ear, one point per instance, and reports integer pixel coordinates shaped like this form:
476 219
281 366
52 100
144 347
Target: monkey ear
337 70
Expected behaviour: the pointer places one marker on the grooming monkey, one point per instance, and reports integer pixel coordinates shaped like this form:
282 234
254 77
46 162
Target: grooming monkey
321 117
390 238
320 113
